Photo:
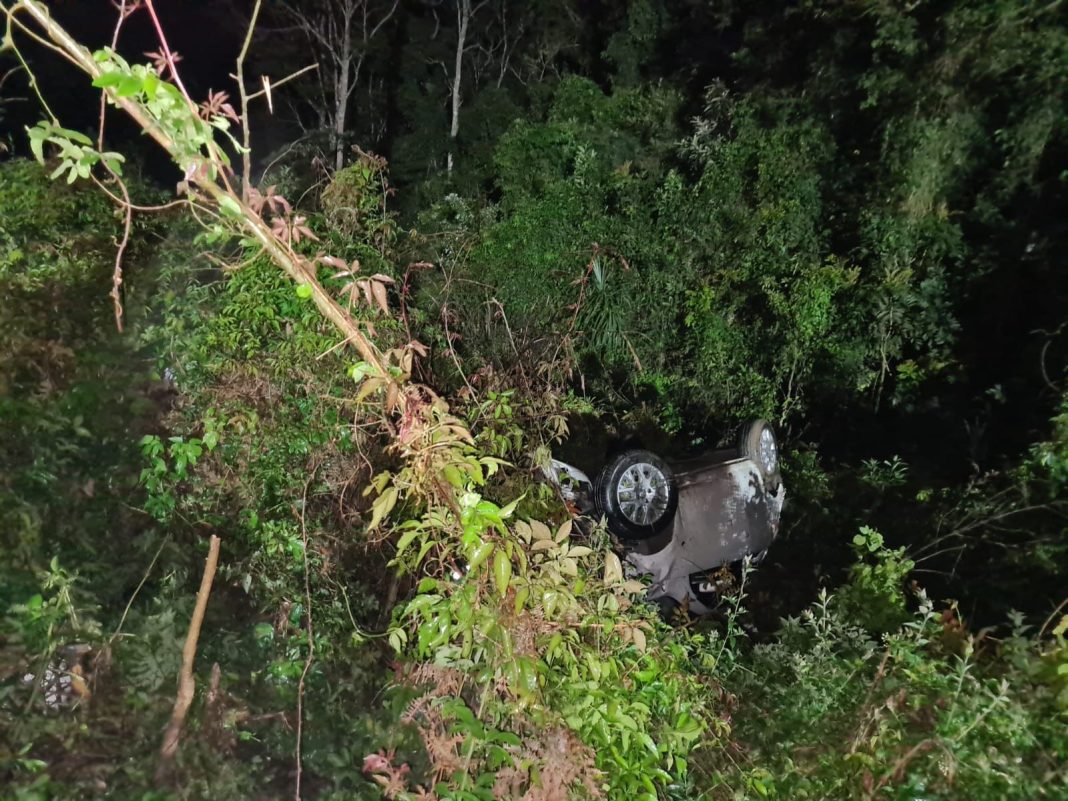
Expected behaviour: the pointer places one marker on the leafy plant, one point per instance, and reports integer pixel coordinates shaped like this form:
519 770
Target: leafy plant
875 596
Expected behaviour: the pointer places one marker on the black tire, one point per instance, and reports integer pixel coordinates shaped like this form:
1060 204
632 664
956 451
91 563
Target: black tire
636 517
754 445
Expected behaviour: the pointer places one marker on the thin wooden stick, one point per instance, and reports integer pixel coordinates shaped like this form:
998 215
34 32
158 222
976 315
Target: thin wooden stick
275 84
186 683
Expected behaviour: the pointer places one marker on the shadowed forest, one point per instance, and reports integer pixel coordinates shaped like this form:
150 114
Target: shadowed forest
300 299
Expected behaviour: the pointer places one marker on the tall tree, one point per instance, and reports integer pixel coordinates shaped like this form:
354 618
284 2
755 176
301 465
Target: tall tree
341 34
464 13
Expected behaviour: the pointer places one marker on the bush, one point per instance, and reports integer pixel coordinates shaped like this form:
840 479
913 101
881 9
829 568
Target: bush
930 710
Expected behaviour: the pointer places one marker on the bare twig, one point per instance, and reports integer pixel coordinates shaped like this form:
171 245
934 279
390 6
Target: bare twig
9 73
169 57
119 201
897 771
186 683
137 590
281 81
120 251
1047 507
124 12
246 155
125 9
1050 336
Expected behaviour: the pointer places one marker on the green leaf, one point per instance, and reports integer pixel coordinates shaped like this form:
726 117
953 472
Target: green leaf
229 206
453 476
114 161
506 511
37 136
360 370
528 677
480 555
383 505
502 572
151 85
521 598
421 602
74 136
107 79
406 540
129 86
304 291
549 600
263 632
424 550
427 584
647 741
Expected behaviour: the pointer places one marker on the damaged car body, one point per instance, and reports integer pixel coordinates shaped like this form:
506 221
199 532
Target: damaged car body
681 522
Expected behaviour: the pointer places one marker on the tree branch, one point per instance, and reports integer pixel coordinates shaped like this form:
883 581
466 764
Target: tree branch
186 683
285 80
246 156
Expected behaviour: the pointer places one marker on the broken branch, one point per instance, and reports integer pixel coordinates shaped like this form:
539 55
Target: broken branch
186 683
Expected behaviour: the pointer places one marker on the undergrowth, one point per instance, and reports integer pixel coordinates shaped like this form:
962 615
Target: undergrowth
250 432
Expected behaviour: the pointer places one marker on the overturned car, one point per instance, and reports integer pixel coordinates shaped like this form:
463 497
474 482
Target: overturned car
681 522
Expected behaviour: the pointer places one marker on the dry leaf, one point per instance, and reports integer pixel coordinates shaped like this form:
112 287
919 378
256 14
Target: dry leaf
613 569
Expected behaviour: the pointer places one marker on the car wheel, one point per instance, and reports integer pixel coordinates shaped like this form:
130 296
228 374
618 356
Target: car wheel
637 495
760 445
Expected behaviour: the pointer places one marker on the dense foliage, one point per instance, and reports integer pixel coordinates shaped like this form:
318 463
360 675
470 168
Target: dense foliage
846 219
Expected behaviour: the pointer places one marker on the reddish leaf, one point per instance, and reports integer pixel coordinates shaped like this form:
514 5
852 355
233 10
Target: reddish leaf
159 59
218 105
378 289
